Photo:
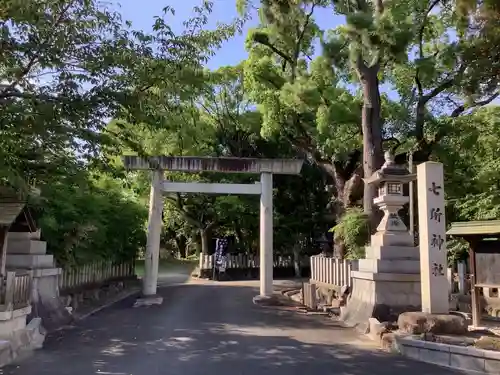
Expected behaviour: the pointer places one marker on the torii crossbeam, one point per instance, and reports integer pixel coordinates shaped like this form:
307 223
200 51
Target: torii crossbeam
190 164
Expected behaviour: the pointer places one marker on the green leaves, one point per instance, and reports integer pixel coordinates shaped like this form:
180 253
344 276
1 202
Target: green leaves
58 68
354 230
85 222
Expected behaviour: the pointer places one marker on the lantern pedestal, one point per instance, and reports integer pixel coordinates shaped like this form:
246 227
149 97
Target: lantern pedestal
386 284
387 281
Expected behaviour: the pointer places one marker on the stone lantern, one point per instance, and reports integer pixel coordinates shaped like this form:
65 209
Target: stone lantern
387 281
390 180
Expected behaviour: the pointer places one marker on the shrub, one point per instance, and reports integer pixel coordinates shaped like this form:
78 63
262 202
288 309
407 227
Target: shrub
354 230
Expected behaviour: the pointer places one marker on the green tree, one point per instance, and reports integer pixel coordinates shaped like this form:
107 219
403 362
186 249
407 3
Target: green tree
452 68
83 221
60 69
302 100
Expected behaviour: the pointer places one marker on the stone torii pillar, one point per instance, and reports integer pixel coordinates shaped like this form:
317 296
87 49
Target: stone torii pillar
155 222
158 164
266 235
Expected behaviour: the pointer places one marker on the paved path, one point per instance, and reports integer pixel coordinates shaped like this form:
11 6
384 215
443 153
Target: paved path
211 329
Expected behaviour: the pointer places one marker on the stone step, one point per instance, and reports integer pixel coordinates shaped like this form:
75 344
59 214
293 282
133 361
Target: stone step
389 266
30 261
26 246
391 239
392 252
25 235
19 236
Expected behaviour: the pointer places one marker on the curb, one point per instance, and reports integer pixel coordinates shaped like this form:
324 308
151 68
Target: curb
110 303
121 298
468 359
78 318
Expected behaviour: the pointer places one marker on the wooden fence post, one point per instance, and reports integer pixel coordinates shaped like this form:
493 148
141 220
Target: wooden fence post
9 290
461 269
449 275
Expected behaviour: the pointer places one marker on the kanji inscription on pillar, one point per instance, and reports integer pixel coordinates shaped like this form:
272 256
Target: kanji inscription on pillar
432 235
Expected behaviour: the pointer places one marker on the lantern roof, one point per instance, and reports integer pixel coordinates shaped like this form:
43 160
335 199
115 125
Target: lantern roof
390 171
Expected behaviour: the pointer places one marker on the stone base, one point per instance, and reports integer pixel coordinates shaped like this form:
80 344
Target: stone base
20 343
148 301
380 296
45 299
13 320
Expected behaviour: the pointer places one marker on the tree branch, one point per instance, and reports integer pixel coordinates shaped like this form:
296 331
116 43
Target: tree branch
424 99
179 205
462 108
302 33
421 44
265 42
33 60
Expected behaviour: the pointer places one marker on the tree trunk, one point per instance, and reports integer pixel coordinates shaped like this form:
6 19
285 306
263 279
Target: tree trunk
241 238
4 230
181 243
204 241
373 157
346 195
296 260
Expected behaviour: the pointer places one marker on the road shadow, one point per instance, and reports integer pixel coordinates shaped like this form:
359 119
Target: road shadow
189 335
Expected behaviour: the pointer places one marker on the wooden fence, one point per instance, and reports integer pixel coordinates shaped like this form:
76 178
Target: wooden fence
15 290
246 261
459 280
337 272
93 274
331 270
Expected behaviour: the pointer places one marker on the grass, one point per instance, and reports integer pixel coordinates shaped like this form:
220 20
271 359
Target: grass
168 265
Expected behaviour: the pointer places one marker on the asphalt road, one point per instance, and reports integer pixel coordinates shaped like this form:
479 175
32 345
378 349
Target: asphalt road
211 329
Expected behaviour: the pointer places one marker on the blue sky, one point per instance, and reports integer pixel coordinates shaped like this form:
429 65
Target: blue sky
233 51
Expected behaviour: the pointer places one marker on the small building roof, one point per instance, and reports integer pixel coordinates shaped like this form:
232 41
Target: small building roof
475 228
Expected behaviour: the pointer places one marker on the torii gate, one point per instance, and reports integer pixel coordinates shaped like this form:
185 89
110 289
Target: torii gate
158 164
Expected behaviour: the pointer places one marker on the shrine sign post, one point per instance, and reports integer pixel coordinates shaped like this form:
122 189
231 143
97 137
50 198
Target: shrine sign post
432 238
159 164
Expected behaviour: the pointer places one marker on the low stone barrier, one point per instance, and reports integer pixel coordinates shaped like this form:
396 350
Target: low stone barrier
453 356
79 303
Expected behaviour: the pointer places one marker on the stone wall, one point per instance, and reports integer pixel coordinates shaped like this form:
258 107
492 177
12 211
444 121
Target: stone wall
81 302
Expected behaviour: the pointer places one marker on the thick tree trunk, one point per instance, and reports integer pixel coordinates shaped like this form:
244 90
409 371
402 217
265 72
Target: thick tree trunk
373 157
204 241
347 192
